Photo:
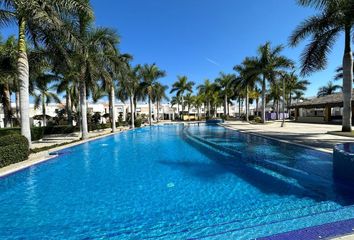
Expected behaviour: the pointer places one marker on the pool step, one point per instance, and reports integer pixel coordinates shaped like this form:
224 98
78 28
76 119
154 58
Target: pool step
283 172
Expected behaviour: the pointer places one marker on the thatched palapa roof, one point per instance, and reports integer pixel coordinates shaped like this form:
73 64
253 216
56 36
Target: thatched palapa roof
333 100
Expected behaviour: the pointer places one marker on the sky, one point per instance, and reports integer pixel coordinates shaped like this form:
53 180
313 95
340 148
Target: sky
201 38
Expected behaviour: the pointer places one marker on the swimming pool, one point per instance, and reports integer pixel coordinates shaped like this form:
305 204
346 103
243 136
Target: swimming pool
173 182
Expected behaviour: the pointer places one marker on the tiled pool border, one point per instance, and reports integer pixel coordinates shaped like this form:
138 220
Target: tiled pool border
324 231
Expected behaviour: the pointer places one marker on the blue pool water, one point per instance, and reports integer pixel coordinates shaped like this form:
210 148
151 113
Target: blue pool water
173 182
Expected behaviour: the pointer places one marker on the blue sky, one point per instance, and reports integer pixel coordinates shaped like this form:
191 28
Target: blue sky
200 38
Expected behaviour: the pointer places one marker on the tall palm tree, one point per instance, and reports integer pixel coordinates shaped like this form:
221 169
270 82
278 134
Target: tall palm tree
159 95
90 58
268 64
8 75
44 94
225 84
181 86
329 89
39 24
150 74
335 17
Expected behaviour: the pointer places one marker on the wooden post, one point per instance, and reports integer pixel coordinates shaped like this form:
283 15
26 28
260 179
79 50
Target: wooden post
296 114
327 113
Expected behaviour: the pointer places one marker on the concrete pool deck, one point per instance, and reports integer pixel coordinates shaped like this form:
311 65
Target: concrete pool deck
305 134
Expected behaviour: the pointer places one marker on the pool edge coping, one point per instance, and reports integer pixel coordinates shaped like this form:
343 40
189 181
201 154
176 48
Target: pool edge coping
44 156
276 139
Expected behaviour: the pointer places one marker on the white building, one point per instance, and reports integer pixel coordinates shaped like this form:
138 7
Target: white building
165 112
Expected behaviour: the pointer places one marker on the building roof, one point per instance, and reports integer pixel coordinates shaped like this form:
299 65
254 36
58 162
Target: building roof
333 100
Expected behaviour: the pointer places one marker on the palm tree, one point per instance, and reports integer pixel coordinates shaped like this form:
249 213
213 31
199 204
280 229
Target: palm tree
129 87
181 86
176 101
329 89
293 85
198 103
268 64
40 24
8 75
44 94
225 84
246 80
150 74
324 28
206 89
90 54
159 95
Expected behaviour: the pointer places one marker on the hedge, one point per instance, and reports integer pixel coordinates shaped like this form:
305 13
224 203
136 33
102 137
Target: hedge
9 131
60 129
13 148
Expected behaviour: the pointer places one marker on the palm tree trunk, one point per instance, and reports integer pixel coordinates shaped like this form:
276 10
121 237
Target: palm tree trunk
225 105
17 96
263 99
239 107
43 110
83 108
23 76
132 111
347 82
69 107
247 104
150 117
257 102
157 111
209 108
113 109
6 103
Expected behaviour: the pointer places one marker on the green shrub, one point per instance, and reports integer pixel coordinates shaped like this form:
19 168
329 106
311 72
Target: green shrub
60 129
138 122
9 131
13 140
258 119
13 148
37 133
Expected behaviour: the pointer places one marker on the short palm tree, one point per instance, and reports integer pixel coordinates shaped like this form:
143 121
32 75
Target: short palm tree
246 80
150 74
329 89
44 93
176 101
225 84
294 85
159 95
198 103
182 86
335 17
206 89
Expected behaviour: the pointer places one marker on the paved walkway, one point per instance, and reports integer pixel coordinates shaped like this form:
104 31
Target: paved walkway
56 139
312 135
